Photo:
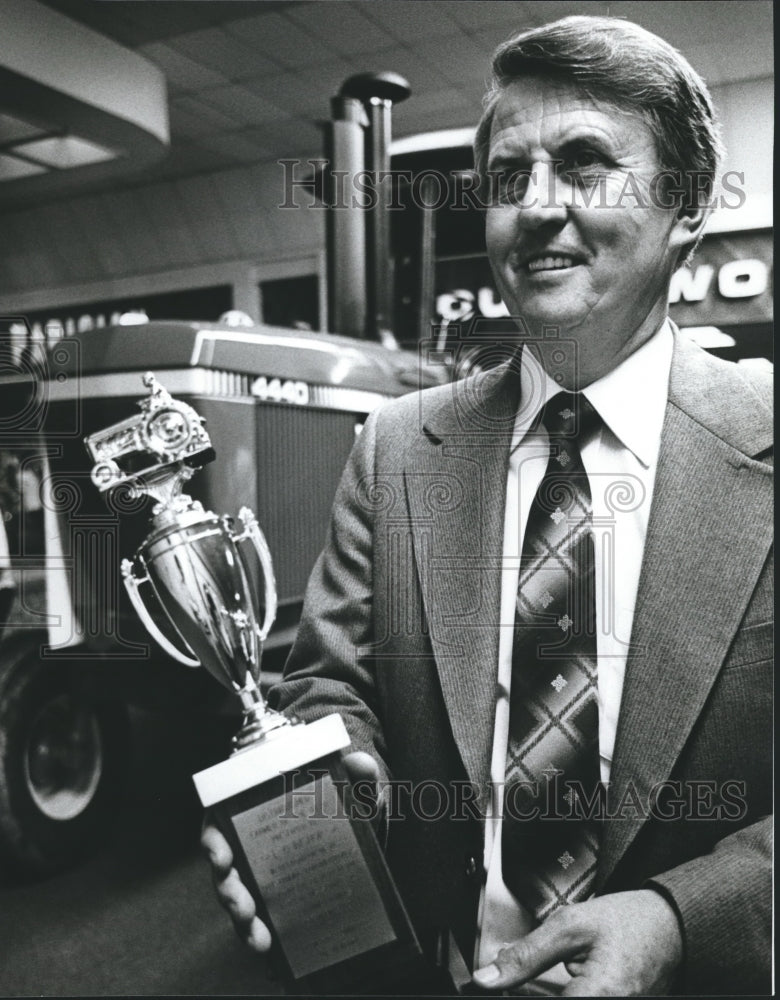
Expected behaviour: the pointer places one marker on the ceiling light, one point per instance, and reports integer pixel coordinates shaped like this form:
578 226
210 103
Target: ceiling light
11 168
65 152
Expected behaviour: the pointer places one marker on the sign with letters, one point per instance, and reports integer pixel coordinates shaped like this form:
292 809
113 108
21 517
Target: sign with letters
47 326
728 284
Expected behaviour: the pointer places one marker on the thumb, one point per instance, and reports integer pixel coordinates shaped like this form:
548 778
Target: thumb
532 955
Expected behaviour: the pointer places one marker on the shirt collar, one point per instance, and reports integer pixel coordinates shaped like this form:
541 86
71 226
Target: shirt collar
631 399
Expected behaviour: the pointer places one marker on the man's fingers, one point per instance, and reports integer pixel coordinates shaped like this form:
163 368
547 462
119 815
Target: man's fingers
217 849
235 897
258 937
552 942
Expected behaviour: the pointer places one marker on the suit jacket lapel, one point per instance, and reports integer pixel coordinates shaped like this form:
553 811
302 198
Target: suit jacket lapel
708 537
456 490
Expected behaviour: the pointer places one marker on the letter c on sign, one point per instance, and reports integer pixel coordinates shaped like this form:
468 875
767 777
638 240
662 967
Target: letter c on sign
742 279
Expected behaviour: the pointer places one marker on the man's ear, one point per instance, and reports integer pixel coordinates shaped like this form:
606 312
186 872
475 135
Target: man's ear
688 226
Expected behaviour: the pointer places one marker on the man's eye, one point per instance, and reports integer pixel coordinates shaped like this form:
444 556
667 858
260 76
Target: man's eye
510 185
583 159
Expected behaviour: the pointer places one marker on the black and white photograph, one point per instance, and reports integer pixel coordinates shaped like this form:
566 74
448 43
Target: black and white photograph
386 498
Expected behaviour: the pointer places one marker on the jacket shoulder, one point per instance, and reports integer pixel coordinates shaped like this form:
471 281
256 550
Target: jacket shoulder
419 412
733 401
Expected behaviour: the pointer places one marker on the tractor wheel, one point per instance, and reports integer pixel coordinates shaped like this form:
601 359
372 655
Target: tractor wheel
63 760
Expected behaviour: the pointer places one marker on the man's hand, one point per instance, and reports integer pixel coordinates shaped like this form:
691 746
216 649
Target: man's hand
231 891
624 944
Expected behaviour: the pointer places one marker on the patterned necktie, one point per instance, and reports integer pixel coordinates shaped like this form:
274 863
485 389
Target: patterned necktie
548 848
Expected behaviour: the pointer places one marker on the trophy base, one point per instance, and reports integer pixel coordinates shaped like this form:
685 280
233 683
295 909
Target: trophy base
305 848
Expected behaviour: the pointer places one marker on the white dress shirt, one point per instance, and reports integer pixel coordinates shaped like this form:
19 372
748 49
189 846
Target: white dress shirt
620 460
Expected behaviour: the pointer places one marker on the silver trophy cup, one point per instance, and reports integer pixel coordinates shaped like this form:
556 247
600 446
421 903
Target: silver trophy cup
191 563
283 796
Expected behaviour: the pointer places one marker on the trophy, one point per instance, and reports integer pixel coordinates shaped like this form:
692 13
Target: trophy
283 798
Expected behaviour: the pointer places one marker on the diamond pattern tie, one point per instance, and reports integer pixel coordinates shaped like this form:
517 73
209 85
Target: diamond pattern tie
548 849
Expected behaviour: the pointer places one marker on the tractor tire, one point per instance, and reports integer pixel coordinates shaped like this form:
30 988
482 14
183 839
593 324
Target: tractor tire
63 761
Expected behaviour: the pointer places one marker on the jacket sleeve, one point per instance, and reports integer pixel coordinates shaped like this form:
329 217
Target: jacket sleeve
325 671
724 903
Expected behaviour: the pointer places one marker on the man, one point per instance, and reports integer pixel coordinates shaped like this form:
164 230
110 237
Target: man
424 623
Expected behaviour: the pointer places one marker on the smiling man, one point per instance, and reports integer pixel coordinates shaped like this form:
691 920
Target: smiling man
578 238
580 628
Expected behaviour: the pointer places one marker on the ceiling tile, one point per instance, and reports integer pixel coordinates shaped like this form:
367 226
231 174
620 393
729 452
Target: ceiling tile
295 92
187 158
242 105
12 169
184 123
133 23
477 16
282 40
291 59
208 118
237 145
410 64
182 72
13 129
699 21
224 52
488 39
289 91
342 26
288 138
407 19
460 60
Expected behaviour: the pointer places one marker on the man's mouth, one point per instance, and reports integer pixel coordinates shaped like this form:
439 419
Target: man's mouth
550 263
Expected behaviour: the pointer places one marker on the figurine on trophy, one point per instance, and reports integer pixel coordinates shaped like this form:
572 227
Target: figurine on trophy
283 796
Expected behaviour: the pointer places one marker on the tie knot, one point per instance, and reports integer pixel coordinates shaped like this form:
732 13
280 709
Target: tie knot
569 415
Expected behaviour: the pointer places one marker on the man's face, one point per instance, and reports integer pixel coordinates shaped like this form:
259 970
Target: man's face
598 270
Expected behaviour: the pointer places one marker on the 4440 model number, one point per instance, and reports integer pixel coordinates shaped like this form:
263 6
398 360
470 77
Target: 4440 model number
281 390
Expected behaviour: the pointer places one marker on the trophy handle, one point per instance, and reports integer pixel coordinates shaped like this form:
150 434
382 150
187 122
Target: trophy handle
132 584
253 533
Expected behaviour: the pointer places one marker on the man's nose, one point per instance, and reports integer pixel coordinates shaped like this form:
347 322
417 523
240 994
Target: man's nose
544 199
